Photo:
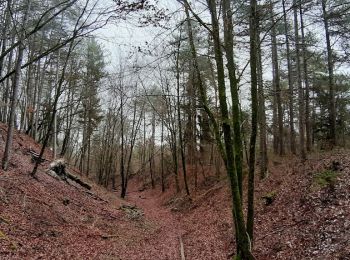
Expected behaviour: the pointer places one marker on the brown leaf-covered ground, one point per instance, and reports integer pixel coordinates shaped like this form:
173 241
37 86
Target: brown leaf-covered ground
49 219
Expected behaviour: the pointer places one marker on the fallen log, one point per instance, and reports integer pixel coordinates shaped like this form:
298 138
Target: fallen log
79 181
59 168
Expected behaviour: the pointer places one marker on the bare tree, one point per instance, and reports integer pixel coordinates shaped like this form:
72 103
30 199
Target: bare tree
15 91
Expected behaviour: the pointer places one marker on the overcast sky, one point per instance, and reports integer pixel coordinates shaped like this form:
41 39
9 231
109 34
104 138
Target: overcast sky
121 38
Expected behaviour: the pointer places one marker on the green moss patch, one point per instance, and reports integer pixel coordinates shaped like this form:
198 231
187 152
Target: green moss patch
325 178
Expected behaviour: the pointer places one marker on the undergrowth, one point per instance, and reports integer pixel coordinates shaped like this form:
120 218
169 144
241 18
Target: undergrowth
325 178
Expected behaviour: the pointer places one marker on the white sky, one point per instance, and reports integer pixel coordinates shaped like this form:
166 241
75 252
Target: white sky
120 38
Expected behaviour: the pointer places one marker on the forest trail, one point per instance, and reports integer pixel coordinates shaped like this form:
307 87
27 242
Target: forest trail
164 243
202 220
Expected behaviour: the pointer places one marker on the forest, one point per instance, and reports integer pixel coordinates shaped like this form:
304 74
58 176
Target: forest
246 103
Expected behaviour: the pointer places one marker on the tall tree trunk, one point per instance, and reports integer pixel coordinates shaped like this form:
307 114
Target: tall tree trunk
300 87
88 152
261 114
144 146
4 35
254 96
151 152
122 146
173 132
162 156
69 117
38 100
181 142
276 83
11 123
134 130
84 143
307 85
330 66
15 92
243 243
290 83
54 139
236 118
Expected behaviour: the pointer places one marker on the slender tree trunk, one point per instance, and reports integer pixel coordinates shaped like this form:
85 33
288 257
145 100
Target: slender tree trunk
84 143
8 85
307 85
179 126
236 118
15 92
277 85
88 152
54 146
300 87
330 66
54 107
134 130
243 243
69 120
172 135
144 149
162 156
4 35
122 148
254 96
181 142
151 153
290 83
175 160
11 124
261 114
38 100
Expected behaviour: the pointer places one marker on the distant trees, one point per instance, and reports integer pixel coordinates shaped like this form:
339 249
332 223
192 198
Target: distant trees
48 79
22 33
90 113
333 16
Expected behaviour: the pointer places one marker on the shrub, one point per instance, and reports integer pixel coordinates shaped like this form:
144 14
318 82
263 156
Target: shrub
325 178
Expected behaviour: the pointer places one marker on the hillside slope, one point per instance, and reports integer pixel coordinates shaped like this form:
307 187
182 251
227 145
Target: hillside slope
49 219
309 217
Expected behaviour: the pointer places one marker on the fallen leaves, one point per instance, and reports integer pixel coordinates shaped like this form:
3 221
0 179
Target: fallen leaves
49 219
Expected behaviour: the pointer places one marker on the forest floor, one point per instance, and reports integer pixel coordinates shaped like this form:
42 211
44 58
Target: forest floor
45 218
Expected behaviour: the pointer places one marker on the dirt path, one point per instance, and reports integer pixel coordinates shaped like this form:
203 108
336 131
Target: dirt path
164 239
204 229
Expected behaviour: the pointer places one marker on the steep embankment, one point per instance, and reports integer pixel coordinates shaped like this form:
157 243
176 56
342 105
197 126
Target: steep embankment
307 216
49 219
